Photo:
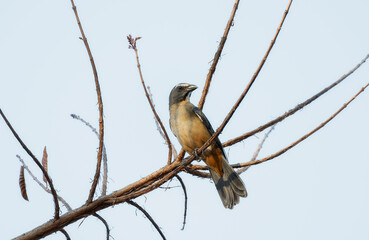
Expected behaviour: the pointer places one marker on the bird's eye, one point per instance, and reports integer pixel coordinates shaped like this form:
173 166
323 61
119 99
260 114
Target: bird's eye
180 87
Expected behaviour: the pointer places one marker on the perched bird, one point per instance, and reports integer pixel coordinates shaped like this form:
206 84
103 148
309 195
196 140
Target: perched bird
192 129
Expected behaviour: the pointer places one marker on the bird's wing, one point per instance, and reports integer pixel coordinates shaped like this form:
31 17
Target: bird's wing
208 126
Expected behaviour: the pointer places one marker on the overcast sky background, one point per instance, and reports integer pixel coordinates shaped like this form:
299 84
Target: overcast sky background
318 190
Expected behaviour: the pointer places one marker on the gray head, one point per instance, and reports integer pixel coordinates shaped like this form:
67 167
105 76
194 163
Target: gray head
181 92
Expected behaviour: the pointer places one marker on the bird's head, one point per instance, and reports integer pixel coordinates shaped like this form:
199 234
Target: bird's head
181 92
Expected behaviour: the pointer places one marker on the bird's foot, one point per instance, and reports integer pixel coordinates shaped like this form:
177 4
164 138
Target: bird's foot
196 154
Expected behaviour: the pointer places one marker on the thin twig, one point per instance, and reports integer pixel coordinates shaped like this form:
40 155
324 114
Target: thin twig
105 223
148 216
185 194
42 185
217 55
65 233
295 109
105 176
172 150
99 99
53 192
242 170
133 45
105 157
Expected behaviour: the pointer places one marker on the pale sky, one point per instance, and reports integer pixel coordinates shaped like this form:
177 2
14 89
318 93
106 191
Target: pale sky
318 190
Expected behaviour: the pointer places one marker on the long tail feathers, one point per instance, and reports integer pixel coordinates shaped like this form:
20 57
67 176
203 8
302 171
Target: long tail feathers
230 186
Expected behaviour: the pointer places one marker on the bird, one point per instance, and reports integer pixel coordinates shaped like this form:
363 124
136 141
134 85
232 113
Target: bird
192 129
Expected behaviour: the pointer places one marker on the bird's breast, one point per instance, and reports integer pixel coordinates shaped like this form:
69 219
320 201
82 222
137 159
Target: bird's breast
187 127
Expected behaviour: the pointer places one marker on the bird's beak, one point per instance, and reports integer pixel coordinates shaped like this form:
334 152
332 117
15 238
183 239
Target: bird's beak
191 88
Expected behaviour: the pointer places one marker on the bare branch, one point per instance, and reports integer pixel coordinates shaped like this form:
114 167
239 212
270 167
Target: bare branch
295 109
242 170
99 99
133 44
172 150
303 137
105 176
185 207
134 190
65 233
105 223
55 196
42 185
230 114
148 216
77 117
195 170
217 55
104 155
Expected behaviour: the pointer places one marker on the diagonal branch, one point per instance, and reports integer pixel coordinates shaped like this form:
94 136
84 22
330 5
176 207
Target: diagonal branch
172 150
99 99
133 45
213 66
148 216
217 55
55 195
242 170
295 109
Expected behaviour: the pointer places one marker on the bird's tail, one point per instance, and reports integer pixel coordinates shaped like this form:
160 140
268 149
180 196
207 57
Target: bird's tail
230 186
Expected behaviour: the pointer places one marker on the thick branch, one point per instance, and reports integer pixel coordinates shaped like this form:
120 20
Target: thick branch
55 196
99 99
134 190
